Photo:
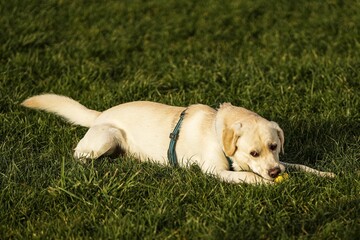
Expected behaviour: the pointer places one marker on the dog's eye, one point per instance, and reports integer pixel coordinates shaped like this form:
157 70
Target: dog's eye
273 146
254 154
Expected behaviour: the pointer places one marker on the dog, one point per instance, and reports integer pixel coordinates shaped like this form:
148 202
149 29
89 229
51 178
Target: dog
232 143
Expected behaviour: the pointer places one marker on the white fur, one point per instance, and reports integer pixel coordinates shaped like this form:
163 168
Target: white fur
206 136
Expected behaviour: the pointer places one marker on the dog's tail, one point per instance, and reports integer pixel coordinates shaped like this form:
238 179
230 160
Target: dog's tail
63 106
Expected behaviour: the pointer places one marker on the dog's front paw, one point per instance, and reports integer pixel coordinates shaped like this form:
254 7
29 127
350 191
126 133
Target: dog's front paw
328 174
83 156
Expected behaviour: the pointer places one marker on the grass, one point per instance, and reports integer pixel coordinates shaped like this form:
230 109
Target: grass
296 63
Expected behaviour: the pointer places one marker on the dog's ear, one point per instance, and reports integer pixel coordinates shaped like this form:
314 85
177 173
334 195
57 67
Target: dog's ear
230 135
280 133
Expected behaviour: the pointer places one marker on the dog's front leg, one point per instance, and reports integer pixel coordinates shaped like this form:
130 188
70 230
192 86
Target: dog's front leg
307 169
242 177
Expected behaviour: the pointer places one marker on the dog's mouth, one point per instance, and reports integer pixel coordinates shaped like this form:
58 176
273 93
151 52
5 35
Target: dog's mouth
270 174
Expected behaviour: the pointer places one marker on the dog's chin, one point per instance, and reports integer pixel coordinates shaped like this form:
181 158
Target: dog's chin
267 177
264 176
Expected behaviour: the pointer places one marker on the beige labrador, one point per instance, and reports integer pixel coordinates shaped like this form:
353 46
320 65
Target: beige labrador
212 139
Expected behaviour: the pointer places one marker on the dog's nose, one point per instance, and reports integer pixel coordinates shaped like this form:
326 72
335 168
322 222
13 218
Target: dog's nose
274 172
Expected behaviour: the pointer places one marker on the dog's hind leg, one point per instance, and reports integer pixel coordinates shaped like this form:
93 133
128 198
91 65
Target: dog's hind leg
99 140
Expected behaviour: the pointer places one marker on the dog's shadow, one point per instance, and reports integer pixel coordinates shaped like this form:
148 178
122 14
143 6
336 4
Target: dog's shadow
318 143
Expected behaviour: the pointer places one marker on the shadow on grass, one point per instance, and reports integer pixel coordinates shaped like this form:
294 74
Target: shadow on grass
319 142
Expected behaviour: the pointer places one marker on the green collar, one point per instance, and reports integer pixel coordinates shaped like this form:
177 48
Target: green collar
230 162
171 154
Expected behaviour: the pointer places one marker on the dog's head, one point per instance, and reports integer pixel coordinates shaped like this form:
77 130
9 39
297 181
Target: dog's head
252 142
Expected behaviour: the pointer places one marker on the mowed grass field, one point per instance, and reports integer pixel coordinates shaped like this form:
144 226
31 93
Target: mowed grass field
294 62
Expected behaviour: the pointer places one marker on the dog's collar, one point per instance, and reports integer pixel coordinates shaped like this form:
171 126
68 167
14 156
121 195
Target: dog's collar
171 154
230 162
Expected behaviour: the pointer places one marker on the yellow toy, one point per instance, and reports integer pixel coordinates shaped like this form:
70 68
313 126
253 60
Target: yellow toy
281 178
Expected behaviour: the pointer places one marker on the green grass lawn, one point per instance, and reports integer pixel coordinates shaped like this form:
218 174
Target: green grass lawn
294 62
